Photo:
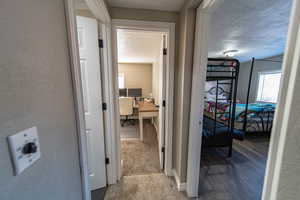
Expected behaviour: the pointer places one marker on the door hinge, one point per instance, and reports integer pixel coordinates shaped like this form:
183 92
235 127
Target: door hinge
163 149
100 43
164 103
104 106
106 161
165 51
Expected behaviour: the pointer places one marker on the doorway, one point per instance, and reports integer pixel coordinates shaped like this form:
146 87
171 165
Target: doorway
152 105
87 29
110 91
249 142
141 82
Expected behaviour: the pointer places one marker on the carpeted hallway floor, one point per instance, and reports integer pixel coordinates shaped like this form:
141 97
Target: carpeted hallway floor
142 178
144 187
141 157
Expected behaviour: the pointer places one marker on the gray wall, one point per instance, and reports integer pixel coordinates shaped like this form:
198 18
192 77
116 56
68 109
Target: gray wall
259 66
137 75
183 90
36 90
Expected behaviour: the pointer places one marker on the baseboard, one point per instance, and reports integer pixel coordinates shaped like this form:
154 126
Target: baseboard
155 126
180 186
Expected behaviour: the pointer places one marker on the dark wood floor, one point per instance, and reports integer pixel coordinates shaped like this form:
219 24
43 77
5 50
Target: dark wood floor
98 194
237 178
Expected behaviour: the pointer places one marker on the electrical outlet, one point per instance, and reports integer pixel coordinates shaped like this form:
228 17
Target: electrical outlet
25 149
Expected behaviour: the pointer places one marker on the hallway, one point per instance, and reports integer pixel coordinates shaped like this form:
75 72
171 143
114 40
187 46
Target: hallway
142 176
140 158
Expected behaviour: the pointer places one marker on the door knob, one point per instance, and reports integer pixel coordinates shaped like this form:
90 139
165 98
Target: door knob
29 148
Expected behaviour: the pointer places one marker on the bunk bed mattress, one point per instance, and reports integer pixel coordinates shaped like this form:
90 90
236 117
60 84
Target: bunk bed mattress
254 123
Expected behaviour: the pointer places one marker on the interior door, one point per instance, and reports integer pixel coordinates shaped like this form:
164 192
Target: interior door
162 98
91 85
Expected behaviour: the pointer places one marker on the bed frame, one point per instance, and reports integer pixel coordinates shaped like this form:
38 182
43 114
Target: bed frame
220 133
265 118
223 71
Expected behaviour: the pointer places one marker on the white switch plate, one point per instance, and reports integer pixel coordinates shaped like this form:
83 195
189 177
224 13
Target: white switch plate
16 144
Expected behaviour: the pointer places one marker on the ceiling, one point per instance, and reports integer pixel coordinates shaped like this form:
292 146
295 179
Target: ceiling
256 28
138 46
167 5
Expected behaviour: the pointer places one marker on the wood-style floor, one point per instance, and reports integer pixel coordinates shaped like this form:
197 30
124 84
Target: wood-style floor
240 177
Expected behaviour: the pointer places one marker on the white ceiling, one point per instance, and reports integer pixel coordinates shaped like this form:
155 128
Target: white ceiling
257 28
167 5
138 46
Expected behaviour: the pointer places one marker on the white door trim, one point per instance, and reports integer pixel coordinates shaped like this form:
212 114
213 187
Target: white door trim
169 29
291 63
196 110
99 9
77 95
109 114
204 12
77 89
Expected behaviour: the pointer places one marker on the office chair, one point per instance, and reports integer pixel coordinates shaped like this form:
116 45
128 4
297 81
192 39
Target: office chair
126 108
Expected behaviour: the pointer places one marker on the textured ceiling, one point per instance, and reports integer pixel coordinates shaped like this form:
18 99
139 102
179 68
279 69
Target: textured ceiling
138 46
257 28
167 5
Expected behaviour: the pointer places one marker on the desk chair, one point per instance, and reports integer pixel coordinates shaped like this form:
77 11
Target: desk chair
126 108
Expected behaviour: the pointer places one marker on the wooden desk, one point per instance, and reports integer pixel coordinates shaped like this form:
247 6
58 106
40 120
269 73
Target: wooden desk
146 110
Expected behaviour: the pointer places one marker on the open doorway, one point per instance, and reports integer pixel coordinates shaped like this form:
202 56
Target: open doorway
104 44
141 82
241 83
144 107
90 85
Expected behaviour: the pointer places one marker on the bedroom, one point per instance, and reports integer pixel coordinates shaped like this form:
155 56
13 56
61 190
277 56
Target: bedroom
241 92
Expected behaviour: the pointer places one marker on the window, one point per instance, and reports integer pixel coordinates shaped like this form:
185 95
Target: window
268 86
121 80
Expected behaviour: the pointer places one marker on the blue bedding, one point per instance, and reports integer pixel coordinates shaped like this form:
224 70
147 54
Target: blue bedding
256 107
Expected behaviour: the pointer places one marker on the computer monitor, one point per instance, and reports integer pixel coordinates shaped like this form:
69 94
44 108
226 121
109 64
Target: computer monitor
123 92
134 92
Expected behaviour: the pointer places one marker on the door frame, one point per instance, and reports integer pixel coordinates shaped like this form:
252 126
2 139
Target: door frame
102 15
204 12
279 133
169 29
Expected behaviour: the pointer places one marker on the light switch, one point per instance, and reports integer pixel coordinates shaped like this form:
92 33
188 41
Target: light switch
25 149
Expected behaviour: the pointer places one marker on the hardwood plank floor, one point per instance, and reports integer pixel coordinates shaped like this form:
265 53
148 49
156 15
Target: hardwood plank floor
240 177
98 194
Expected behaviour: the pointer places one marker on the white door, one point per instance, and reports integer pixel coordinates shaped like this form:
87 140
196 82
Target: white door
162 98
91 85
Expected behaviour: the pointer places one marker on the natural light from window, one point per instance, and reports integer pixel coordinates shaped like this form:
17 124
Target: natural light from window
268 86
121 80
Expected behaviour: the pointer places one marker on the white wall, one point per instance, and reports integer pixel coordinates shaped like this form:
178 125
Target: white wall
36 90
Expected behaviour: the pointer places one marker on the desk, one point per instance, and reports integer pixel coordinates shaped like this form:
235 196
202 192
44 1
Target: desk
146 110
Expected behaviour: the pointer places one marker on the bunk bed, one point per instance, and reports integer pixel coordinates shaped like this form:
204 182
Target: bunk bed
224 119
256 117
218 125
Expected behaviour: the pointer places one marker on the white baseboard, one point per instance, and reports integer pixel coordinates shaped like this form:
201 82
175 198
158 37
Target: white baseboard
155 126
180 186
